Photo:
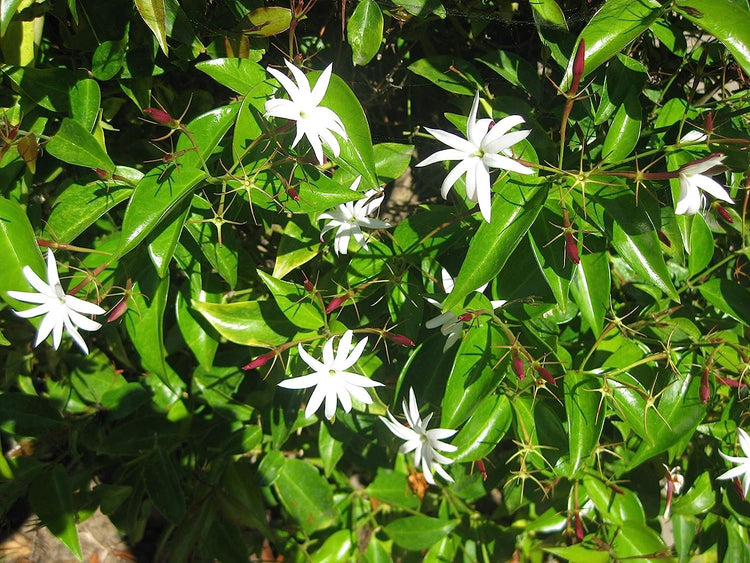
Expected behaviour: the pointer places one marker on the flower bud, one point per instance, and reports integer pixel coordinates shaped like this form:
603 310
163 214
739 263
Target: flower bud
738 487
579 527
260 360
730 382
103 174
545 374
580 61
571 248
118 310
723 212
309 287
291 192
159 115
399 339
705 390
518 367
708 124
12 132
465 317
482 470
335 303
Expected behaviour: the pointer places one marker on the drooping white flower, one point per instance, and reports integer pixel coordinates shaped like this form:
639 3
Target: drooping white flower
349 217
448 322
485 147
743 467
331 379
426 444
315 122
694 177
675 480
60 311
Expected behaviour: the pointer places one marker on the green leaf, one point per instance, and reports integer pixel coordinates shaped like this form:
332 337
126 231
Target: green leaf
337 547
391 160
108 59
725 20
51 498
514 209
7 11
418 532
519 72
701 245
364 31
619 508
85 98
152 200
163 486
75 145
269 21
240 75
28 415
639 541
295 249
218 387
306 495
19 248
699 498
47 87
422 8
590 288
486 427
317 193
162 241
579 554
293 300
449 73
549 12
728 297
585 421
474 374
392 488
624 130
331 450
207 130
616 24
550 256
250 323
155 16
201 343
80 205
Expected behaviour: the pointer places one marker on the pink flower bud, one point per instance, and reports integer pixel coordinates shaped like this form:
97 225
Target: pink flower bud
465 317
158 115
260 360
291 192
399 339
705 390
103 174
118 310
518 367
579 527
545 374
580 61
723 212
709 123
571 248
482 470
730 382
309 287
335 303
13 132
738 487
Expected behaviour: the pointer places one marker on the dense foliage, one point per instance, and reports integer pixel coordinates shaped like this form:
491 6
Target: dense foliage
253 195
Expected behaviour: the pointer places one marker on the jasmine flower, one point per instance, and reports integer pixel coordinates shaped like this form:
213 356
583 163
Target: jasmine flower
694 177
743 467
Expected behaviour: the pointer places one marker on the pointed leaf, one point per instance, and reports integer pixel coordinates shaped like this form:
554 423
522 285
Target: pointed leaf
418 532
163 486
486 427
155 16
75 145
294 302
51 498
306 495
585 419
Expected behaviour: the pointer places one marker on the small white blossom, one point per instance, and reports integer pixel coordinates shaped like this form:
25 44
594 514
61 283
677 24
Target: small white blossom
331 379
425 444
60 311
448 322
349 217
693 136
315 122
485 147
693 178
743 467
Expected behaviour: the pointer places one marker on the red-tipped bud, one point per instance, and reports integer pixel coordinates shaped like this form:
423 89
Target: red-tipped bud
546 375
705 390
723 212
260 360
159 115
118 310
518 367
663 237
482 470
335 303
399 339
579 527
13 132
571 248
309 287
708 124
103 174
579 62
730 382
738 487
465 317
291 192
616 489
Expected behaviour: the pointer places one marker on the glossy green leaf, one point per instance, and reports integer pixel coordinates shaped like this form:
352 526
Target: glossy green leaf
207 131
241 500
108 59
392 488
486 427
294 302
514 209
155 16
701 245
364 31
699 498
418 532
337 547
218 387
269 21
319 193
624 131
7 11
28 415
620 508
617 23
250 323
241 75
422 7
200 341
295 249
163 485
19 248
625 79
306 495
449 73
585 417
549 12
51 497
391 160
85 99
474 375
80 205
550 255
154 197
579 554
639 541
75 145
725 20
590 288
48 87
331 450
728 297
685 529
162 241
515 70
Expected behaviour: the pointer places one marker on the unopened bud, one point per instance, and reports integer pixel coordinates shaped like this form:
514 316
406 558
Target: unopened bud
738 487
465 317
118 310
13 132
579 527
579 62
723 212
708 124
291 192
571 248
545 374
309 287
159 115
730 382
482 470
399 339
103 174
335 303
705 390
616 489
260 360
518 367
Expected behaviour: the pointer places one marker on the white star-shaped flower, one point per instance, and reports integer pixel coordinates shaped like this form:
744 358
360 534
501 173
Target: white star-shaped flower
426 444
448 322
315 122
693 178
331 379
485 147
744 462
349 217
60 311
